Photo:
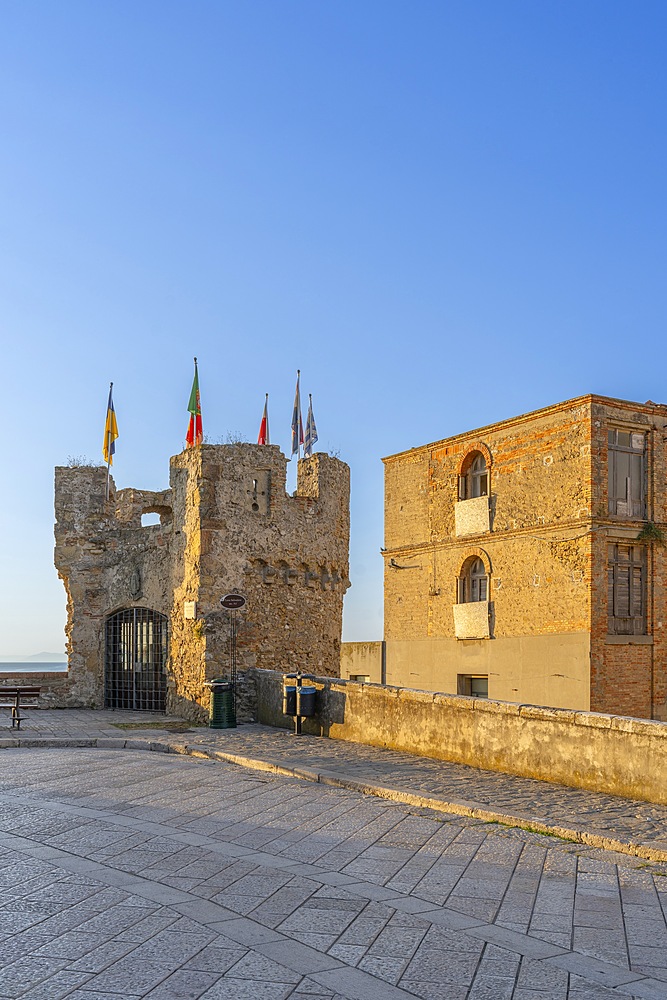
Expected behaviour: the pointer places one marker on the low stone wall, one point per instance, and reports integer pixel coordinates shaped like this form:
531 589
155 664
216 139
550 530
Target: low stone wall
55 686
605 753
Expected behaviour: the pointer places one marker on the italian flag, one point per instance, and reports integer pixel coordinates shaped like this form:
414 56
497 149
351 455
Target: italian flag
263 436
194 435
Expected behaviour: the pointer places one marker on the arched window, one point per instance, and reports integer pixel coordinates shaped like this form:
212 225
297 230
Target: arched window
473 582
474 480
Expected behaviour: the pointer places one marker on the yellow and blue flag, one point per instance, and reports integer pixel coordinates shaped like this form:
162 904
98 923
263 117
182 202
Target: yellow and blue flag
110 430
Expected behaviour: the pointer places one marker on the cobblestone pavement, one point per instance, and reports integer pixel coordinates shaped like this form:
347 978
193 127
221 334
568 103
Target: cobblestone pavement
596 819
150 875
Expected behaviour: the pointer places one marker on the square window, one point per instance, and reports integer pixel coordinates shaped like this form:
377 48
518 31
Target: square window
473 685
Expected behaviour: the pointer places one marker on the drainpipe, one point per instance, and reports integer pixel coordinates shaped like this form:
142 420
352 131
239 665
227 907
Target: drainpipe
652 562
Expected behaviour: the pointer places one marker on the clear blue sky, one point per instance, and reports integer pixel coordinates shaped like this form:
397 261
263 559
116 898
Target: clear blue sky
444 213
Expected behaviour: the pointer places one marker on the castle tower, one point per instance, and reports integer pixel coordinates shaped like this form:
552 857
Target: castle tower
145 626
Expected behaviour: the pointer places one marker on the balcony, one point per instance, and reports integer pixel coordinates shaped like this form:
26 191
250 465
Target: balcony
472 620
472 517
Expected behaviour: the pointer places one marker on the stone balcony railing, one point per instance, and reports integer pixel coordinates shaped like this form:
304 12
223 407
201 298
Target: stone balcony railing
472 621
472 517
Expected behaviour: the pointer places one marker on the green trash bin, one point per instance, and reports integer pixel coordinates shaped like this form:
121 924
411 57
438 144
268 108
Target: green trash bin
223 711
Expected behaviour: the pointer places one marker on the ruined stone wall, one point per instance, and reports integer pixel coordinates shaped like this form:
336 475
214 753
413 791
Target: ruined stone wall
108 562
227 525
287 555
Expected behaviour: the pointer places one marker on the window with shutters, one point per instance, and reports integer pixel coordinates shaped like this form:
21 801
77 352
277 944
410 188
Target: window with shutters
626 601
473 582
627 473
474 481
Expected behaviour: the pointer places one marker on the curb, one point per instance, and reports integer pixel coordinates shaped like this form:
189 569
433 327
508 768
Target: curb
339 780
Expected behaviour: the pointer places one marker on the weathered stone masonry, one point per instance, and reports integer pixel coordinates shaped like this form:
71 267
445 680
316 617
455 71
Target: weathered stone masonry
227 524
542 532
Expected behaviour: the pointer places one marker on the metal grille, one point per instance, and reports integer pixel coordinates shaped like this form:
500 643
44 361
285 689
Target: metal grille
136 646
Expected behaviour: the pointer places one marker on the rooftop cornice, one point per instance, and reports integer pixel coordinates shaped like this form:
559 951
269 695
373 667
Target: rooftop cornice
476 432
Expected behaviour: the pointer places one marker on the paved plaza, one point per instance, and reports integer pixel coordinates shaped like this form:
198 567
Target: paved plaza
176 876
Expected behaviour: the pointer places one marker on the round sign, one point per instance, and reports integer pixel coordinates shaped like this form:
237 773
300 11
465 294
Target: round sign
232 601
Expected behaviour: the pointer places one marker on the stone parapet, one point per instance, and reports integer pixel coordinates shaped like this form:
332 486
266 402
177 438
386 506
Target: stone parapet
604 753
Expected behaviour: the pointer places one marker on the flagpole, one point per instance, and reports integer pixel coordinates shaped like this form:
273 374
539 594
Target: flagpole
310 410
298 428
108 443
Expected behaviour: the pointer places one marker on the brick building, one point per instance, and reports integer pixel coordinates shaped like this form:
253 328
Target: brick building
524 560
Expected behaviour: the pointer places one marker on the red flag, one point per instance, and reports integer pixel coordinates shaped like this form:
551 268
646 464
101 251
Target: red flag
194 435
263 436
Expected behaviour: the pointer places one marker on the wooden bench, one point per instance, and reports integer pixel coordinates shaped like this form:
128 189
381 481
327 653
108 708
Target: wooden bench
16 692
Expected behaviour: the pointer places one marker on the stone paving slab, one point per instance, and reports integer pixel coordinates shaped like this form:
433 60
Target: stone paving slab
89 841
595 819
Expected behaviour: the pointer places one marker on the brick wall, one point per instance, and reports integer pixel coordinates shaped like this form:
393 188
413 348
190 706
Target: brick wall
630 675
546 550
538 550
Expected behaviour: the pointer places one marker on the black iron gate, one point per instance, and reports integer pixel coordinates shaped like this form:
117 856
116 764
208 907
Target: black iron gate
136 646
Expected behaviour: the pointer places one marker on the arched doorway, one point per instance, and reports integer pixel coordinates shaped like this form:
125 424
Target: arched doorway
136 646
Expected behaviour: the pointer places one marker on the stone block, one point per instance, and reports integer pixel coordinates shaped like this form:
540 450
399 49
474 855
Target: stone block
541 712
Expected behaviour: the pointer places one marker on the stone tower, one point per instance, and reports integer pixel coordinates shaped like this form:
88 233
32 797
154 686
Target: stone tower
148 598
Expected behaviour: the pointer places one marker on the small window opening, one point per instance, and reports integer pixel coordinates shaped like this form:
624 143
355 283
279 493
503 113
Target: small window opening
152 518
254 505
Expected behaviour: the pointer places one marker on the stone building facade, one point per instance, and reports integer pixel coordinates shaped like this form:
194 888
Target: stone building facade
524 561
145 624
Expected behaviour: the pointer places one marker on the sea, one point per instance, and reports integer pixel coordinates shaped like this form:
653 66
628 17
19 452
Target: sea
34 666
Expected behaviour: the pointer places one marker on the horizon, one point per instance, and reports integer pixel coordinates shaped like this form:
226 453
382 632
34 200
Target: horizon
22 658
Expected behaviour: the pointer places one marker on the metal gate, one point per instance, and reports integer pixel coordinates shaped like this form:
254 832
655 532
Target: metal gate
136 646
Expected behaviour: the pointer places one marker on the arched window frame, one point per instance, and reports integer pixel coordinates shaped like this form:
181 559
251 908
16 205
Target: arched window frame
473 581
474 475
